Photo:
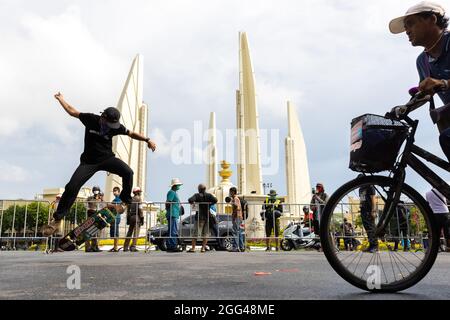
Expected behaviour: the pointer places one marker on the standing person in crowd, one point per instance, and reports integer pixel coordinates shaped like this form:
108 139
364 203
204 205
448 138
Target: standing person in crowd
173 212
348 232
368 208
307 217
93 205
237 219
272 211
438 204
114 229
318 201
204 200
97 156
135 220
399 227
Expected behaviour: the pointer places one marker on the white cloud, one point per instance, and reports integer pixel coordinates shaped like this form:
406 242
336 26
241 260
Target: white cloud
12 173
8 126
56 53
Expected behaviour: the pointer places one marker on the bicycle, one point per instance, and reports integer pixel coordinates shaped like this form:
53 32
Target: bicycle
383 268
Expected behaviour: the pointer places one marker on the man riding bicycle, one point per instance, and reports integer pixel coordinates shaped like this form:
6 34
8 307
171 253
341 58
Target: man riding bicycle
426 26
387 144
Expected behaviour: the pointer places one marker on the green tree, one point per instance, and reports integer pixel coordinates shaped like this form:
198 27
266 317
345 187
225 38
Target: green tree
77 213
161 217
28 216
416 221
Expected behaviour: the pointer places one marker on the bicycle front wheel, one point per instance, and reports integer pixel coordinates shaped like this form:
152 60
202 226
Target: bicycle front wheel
393 262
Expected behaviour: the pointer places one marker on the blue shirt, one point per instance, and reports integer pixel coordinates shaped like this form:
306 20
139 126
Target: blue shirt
117 200
439 68
172 196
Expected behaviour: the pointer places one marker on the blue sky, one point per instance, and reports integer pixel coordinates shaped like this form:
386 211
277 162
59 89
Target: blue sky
333 59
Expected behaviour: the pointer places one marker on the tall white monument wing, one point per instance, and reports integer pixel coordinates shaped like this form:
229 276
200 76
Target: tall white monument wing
211 154
297 172
134 117
249 155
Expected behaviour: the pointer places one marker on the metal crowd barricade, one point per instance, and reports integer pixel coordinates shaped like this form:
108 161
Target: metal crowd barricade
21 222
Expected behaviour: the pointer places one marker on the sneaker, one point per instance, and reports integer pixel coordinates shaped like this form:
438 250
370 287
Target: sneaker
174 250
53 227
134 249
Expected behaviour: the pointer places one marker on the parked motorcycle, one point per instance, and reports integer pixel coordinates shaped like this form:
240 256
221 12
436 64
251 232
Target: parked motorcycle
297 236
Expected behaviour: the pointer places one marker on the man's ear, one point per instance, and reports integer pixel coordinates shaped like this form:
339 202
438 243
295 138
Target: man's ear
434 18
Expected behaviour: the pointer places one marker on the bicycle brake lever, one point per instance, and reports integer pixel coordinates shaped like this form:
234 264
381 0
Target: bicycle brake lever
396 112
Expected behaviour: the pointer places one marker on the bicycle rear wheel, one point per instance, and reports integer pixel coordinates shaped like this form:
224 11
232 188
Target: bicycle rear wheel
404 255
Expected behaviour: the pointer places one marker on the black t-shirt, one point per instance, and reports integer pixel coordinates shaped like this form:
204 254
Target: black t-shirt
365 197
97 140
205 200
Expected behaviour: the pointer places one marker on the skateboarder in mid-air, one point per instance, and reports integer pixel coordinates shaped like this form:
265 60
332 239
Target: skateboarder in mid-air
97 156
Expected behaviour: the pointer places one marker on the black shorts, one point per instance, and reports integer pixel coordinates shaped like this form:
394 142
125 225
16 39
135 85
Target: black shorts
270 226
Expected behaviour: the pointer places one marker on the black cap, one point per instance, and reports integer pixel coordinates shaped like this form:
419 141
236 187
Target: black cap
112 117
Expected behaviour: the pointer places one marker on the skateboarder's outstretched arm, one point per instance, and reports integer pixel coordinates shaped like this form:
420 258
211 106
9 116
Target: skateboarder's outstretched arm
140 137
69 109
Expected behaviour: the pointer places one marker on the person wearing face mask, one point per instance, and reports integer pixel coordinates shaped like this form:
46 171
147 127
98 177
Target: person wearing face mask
272 211
173 210
135 220
93 205
318 201
237 219
114 229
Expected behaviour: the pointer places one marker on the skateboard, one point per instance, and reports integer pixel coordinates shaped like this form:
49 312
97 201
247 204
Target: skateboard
87 230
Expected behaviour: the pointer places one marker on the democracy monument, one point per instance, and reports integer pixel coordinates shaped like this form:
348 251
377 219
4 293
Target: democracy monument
248 168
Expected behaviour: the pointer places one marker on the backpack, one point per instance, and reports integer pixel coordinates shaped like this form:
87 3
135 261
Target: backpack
244 207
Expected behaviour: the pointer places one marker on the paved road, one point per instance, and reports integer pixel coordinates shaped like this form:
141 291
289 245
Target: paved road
214 275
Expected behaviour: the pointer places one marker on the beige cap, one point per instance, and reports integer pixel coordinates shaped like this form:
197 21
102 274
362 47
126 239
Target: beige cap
397 25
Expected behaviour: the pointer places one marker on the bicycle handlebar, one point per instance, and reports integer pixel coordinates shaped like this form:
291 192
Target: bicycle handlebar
419 99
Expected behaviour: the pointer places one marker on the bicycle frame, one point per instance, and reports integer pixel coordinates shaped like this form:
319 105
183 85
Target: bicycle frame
409 158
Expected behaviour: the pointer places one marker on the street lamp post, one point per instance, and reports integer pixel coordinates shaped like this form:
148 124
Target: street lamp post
267 185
